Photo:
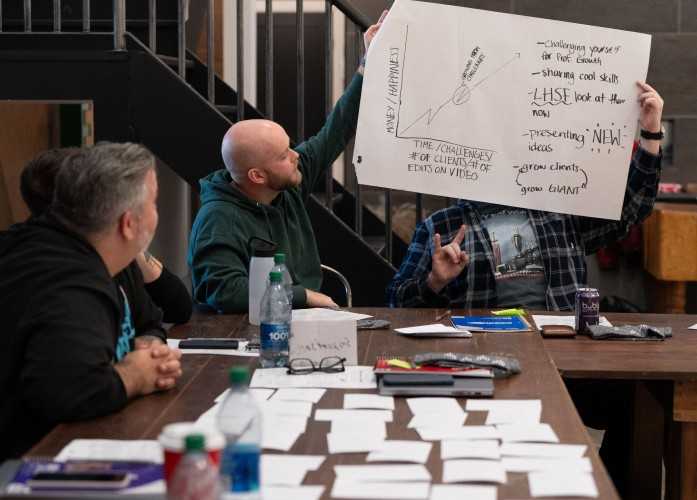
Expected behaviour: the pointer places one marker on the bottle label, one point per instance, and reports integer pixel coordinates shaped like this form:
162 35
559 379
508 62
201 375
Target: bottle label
274 337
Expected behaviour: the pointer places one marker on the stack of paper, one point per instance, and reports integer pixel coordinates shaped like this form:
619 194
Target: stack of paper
111 450
542 320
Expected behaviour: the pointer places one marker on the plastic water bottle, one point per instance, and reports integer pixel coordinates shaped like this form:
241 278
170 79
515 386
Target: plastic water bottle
275 324
279 261
239 419
259 266
195 477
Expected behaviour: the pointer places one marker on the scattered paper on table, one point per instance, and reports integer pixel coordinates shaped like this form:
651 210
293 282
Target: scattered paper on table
528 464
240 351
693 327
372 427
401 451
259 394
355 377
318 313
502 404
543 319
460 492
437 420
532 433
528 415
467 471
279 438
444 406
383 491
294 394
370 401
288 470
322 415
473 432
142 450
543 450
382 473
291 408
354 442
487 449
292 492
560 484
435 329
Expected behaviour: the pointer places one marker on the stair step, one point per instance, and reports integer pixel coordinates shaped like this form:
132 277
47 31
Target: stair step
174 61
227 109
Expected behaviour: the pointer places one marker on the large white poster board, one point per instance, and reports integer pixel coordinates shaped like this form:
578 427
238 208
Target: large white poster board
500 108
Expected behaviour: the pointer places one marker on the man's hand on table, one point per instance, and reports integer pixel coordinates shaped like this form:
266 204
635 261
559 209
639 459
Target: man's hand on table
149 369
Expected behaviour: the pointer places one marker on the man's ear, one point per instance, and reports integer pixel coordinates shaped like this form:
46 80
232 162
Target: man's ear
256 176
128 225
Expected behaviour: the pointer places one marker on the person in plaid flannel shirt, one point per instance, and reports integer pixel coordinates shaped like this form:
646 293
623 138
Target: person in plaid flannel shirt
451 262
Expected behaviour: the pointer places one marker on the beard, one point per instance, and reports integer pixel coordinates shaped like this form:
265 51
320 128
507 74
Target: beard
279 183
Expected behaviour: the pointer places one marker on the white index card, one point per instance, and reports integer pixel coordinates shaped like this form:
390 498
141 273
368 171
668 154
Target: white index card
145 450
497 404
468 471
437 420
353 442
290 408
288 470
487 449
279 438
559 484
368 401
401 451
323 415
528 415
528 464
292 492
461 492
434 405
543 450
465 432
382 491
382 473
367 427
310 394
535 433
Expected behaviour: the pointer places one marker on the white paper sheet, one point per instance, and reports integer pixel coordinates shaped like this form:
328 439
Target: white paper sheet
240 351
368 401
543 319
294 423
448 406
461 492
317 339
502 404
288 470
111 449
351 442
533 433
542 450
433 124
324 415
293 394
693 327
318 313
559 484
468 471
437 420
472 432
382 473
380 491
259 394
486 449
355 377
528 464
434 329
401 451
529 415
290 408
373 427
279 438
292 492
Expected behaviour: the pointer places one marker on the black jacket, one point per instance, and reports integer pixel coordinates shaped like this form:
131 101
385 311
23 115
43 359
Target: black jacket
61 317
170 295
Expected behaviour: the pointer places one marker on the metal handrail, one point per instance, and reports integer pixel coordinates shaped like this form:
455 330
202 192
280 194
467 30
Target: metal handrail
27 15
344 282
354 15
119 24
300 70
57 16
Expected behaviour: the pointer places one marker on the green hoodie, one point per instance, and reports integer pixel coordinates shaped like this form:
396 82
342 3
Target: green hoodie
218 248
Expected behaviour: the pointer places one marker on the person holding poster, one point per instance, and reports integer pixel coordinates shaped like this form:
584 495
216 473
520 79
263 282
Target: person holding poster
479 255
262 193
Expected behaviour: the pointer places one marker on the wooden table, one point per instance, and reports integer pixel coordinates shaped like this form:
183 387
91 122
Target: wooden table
665 375
206 378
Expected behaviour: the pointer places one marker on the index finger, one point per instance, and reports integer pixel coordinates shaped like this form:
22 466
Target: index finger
460 236
646 87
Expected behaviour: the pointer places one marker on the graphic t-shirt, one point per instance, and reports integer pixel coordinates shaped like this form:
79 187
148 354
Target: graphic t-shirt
123 345
520 277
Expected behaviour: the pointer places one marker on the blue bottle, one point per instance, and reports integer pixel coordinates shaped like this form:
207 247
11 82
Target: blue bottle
239 419
275 324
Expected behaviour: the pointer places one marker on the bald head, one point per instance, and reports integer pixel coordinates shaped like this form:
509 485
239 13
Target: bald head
251 144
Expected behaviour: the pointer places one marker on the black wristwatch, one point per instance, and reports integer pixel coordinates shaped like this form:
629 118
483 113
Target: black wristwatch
654 136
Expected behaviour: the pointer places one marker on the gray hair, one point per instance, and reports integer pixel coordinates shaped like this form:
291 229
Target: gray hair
100 183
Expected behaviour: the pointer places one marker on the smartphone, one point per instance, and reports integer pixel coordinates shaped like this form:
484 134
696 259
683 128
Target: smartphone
80 480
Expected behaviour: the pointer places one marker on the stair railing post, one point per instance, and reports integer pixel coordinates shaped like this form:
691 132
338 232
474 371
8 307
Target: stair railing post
210 56
328 86
357 195
388 225
240 60
0 16
119 24
268 108
300 46
181 38
152 25
57 16
86 16
27 15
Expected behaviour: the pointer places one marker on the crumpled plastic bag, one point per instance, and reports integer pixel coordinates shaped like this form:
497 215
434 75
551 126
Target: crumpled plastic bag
630 332
501 366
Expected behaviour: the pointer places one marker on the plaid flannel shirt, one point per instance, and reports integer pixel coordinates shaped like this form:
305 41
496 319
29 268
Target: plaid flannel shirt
564 241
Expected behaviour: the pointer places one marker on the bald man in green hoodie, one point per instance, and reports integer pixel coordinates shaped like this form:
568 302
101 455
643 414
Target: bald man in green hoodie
262 192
